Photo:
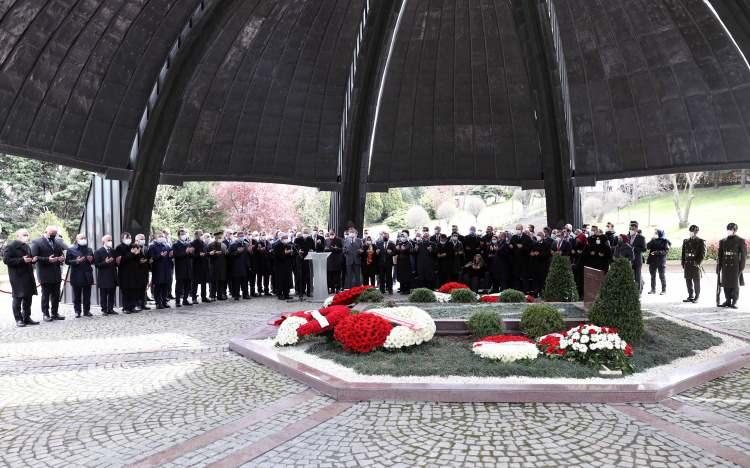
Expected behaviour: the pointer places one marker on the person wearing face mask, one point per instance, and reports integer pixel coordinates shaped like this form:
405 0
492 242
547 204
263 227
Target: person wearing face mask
540 255
80 259
520 245
577 260
471 243
49 251
283 253
369 263
127 257
658 247
730 264
106 275
456 255
444 259
238 266
425 254
144 269
404 249
161 270
334 262
200 267
352 256
693 253
17 256
638 242
217 263
385 249
501 258
598 254
264 265
183 268
303 245
254 259
435 238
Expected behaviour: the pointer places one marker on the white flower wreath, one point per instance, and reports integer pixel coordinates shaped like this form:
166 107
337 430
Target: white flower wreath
422 330
287 334
506 352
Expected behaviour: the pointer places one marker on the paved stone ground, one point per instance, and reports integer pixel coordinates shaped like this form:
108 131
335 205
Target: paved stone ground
160 388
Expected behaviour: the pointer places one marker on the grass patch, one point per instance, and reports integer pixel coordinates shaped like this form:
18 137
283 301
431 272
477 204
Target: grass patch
663 342
508 311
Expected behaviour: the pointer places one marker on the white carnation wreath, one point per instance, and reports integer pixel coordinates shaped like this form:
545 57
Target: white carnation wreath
287 334
414 326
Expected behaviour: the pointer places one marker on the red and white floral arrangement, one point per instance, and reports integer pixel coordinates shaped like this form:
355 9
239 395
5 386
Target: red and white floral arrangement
589 344
506 348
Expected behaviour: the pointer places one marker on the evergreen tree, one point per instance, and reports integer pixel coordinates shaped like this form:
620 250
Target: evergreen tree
619 303
560 285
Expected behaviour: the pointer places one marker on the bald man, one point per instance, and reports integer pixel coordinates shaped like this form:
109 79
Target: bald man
17 256
50 253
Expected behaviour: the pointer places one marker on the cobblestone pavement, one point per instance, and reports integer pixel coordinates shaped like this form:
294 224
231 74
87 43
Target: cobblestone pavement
159 388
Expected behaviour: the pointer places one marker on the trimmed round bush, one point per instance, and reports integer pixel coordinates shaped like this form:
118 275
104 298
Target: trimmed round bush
541 319
486 323
619 302
560 285
512 295
371 295
465 296
422 295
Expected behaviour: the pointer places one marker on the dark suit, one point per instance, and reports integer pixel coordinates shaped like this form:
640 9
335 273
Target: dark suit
81 276
129 274
48 274
183 270
302 276
21 279
161 272
106 278
200 270
385 251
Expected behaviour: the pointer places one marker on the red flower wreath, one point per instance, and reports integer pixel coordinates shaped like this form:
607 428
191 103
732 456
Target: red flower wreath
349 296
506 339
488 298
450 286
362 333
334 315
550 345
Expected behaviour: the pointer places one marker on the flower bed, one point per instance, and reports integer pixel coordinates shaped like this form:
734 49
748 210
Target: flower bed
506 348
591 345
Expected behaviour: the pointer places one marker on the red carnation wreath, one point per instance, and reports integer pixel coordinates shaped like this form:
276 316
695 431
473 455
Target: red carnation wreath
362 333
450 286
349 296
489 298
333 314
506 339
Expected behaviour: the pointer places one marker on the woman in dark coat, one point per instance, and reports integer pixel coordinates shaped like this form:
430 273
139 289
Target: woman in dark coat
334 262
426 262
369 263
404 249
444 261
80 259
17 255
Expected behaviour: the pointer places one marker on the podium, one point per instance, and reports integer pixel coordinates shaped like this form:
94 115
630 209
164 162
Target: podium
319 270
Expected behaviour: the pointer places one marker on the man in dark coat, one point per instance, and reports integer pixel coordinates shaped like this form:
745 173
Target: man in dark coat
238 266
658 247
638 241
520 245
444 260
128 257
106 275
598 254
161 270
693 253
80 259
183 268
404 250
254 264
456 255
217 258
353 259
471 243
334 262
17 255
49 251
302 277
264 264
283 256
730 265
540 255
200 267
385 249
144 269
426 261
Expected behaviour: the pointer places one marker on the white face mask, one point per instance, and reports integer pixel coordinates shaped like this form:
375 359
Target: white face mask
633 232
108 244
126 241
183 237
25 239
141 242
82 242
730 233
693 234
598 241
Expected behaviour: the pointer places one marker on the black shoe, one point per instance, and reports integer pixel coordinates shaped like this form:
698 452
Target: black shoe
689 299
662 293
267 293
20 323
177 304
652 292
695 299
237 298
205 300
160 307
254 294
47 318
309 295
167 306
246 297
78 315
187 303
127 311
148 299
145 307
281 298
733 306
58 317
112 312
87 314
725 304
30 322
170 297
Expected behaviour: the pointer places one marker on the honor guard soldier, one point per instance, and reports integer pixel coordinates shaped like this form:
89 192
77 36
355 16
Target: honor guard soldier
693 253
730 264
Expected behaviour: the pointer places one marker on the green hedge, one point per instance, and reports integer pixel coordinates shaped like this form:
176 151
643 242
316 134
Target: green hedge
463 295
422 295
485 323
512 295
541 319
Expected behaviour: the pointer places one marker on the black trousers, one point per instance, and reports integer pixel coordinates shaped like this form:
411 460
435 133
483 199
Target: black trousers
203 287
129 298
653 269
22 308
385 278
183 288
302 279
263 280
107 299
693 285
731 295
81 296
239 284
161 293
50 298
218 289
334 280
252 278
637 270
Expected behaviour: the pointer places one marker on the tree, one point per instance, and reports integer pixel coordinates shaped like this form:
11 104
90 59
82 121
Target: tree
525 197
313 207
560 285
258 206
446 210
475 206
48 218
619 302
392 202
417 216
373 208
191 206
688 184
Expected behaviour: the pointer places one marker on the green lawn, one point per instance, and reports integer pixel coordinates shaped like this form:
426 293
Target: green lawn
712 209
663 342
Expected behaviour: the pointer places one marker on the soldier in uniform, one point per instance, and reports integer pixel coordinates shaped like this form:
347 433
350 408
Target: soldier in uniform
730 264
693 253
658 247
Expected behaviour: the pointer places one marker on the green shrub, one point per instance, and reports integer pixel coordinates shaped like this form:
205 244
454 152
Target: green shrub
486 323
422 295
463 295
371 295
541 319
560 285
619 303
512 295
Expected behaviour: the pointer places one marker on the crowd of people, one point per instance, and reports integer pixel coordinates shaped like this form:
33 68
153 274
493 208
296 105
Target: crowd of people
242 265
